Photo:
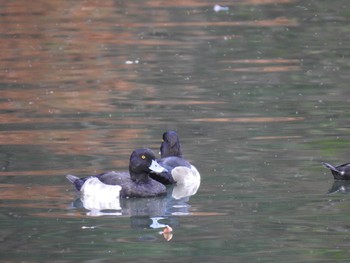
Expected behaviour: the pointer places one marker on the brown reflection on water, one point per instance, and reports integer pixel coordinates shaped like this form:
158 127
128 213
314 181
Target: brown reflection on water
62 41
55 100
263 61
72 142
251 119
267 69
182 3
55 172
275 137
184 102
35 192
85 64
281 21
57 41
265 65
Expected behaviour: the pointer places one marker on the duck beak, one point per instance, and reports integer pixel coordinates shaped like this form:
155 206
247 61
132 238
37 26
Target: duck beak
156 167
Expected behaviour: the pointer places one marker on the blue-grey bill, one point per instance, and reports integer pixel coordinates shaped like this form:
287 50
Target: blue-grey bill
156 167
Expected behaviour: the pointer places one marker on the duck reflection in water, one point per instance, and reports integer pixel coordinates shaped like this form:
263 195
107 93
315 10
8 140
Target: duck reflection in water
340 186
153 207
145 213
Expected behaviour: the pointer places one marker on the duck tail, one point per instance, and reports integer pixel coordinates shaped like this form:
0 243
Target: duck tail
78 182
331 167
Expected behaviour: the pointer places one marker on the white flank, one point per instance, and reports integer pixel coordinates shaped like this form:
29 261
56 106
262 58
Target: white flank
187 180
99 196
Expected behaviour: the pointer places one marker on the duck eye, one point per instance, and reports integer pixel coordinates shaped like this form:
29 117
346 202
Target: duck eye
143 157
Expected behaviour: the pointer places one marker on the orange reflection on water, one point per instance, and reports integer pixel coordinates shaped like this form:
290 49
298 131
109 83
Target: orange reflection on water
251 119
33 192
276 137
184 102
267 65
76 142
52 42
263 61
280 21
197 3
266 69
51 101
40 173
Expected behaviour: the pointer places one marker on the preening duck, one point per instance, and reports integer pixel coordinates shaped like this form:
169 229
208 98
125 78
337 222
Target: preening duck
179 170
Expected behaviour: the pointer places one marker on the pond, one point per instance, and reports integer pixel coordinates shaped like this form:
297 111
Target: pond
256 89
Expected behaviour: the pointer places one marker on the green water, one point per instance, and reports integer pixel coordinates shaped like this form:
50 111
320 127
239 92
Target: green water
258 95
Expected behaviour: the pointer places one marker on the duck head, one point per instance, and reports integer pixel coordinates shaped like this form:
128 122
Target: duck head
171 145
142 162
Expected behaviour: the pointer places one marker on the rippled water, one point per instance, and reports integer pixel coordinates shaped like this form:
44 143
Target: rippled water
258 95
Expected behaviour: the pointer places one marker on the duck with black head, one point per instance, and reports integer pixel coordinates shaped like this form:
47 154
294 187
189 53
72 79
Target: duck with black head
339 172
135 183
179 170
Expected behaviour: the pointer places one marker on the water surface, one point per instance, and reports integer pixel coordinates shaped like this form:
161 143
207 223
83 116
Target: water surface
258 95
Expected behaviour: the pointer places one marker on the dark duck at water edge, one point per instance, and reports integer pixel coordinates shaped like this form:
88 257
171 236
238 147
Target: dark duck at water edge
179 170
135 183
340 172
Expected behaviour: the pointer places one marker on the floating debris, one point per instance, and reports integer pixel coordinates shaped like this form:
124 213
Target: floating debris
88 227
219 8
168 229
130 62
167 233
